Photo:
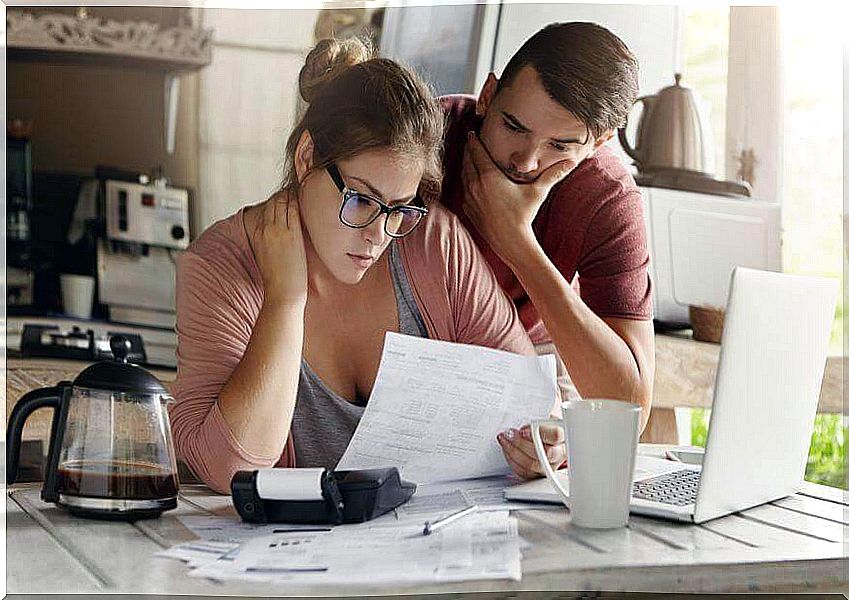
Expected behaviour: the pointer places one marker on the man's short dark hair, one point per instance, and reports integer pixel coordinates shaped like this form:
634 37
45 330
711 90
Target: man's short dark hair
585 68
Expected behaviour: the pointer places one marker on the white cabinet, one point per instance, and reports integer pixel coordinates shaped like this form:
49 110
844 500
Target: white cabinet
695 241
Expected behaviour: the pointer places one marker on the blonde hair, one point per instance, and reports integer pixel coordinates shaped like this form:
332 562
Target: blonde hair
358 102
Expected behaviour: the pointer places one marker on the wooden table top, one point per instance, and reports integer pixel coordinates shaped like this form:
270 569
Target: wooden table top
793 544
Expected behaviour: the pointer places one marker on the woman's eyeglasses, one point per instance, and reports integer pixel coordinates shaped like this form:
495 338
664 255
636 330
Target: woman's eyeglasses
360 210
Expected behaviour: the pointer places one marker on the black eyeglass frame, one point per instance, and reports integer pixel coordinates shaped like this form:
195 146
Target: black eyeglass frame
348 193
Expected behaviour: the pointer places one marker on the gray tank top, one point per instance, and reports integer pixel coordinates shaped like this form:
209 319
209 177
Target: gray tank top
324 422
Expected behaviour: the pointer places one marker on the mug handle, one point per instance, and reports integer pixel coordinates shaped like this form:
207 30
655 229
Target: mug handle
543 459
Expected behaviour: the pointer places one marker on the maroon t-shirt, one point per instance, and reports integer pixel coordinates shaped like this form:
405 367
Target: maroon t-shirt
591 225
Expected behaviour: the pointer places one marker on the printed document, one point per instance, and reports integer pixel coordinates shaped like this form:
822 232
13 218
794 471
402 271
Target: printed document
234 530
481 546
440 499
436 408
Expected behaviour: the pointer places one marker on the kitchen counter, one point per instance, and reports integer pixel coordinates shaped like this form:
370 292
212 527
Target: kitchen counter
26 374
62 368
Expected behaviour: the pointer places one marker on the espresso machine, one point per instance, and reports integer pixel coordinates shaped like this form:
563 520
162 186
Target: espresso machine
145 227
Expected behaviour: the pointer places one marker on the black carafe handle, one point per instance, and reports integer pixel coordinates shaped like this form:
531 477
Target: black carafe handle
51 397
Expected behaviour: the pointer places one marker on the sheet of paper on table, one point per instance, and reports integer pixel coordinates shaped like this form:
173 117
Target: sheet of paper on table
445 497
430 501
233 530
481 546
436 408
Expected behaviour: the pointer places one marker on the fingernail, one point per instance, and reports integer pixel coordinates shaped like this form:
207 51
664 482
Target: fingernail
510 434
526 433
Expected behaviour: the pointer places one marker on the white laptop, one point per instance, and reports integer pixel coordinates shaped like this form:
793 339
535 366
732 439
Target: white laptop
774 348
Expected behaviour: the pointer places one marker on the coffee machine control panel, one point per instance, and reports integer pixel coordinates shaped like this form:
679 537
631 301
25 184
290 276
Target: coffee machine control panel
147 214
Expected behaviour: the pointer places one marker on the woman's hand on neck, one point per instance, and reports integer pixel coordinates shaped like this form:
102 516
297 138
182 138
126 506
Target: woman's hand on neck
277 241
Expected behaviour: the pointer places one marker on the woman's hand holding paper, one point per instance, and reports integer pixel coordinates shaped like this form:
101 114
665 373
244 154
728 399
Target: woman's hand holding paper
518 448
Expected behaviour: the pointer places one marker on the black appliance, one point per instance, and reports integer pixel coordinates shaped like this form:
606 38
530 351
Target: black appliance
49 341
336 497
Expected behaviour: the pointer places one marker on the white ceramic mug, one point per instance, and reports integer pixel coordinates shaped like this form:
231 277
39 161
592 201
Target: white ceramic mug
601 445
77 295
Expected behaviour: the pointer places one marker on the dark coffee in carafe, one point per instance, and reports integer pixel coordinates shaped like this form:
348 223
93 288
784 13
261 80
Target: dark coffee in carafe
117 480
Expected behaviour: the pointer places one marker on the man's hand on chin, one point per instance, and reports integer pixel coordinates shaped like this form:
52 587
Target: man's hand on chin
501 210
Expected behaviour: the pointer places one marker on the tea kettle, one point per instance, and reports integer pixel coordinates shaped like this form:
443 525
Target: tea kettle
670 135
110 453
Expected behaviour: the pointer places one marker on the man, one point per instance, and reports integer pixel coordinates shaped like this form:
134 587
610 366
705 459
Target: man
556 213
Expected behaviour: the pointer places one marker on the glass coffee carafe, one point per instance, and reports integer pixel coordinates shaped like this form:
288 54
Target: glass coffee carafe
111 453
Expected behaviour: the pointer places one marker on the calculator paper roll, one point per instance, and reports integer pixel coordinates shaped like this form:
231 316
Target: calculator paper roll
289 484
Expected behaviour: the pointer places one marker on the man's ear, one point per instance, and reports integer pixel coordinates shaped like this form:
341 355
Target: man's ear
603 138
304 156
490 87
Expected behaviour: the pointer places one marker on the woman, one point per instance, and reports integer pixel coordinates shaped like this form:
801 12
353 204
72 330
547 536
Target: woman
282 308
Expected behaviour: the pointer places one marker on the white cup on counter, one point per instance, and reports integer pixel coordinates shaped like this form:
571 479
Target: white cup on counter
77 294
601 446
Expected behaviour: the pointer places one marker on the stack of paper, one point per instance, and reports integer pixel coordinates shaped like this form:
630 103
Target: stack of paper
448 496
234 530
482 546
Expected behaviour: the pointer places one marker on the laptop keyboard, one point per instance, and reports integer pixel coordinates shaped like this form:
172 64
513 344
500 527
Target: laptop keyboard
678 488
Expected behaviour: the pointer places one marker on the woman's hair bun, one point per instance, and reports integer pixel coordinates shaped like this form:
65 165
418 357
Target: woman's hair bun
329 58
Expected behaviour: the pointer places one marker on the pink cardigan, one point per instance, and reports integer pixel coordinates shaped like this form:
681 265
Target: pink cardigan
219 296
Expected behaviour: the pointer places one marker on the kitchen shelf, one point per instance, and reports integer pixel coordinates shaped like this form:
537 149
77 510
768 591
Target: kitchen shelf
87 40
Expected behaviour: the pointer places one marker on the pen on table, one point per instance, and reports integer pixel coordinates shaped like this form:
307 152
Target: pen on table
431 527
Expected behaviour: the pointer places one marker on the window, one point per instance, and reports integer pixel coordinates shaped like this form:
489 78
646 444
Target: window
811 173
704 68
813 185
